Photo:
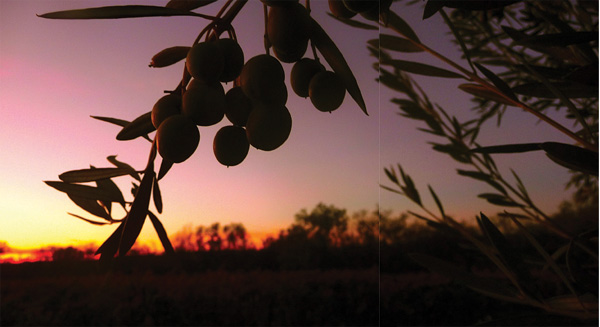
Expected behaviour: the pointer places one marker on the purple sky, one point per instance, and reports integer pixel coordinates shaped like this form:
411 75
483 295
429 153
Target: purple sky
54 74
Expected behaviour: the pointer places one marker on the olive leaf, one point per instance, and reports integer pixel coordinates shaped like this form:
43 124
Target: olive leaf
432 7
483 92
572 157
437 201
478 5
91 206
157 196
138 212
84 191
499 200
482 177
116 121
169 56
93 174
188 4
336 60
394 43
508 148
568 88
559 39
497 81
354 23
109 248
93 222
116 12
162 234
398 24
133 173
140 126
421 69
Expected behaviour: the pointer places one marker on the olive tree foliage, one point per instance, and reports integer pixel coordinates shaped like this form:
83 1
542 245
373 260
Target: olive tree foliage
531 56
289 29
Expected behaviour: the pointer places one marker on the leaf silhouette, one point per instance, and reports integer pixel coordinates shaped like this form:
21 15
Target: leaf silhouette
559 39
157 196
479 4
508 148
188 4
395 43
497 81
133 173
572 157
432 7
354 23
162 234
91 206
93 222
138 127
90 175
116 12
398 24
84 191
137 215
336 60
109 248
482 92
422 69
569 89
116 121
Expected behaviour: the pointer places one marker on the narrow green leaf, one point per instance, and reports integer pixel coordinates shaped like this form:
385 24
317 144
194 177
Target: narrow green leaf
559 39
169 56
572 157
137 215
116 12
162 234
91 206
508 148
138 127
133 173
437 201
90 175
109 248
482 177
188 4
84 191
421 69
482 92
156 196
497 81
398 24
457 36
93 222
354 23
336 60
395 43
569 89
165 166
585 303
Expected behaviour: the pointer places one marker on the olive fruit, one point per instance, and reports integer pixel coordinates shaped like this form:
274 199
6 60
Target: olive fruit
359 6
233 59
165 107
205 61
260 75
204 103
302 72
237 106
230 145
268 127
177 138
338 9
326 91
288 30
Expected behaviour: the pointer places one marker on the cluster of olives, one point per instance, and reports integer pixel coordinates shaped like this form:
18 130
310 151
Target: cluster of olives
256 104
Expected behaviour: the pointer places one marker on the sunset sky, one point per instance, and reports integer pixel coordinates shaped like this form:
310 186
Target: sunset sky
54 74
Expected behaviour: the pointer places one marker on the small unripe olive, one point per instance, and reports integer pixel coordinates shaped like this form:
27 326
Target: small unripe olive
230 145
302 72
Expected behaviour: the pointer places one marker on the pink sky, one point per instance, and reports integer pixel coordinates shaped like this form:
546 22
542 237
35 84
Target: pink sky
54 74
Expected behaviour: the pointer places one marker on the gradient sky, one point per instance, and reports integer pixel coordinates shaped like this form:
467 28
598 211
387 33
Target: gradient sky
54 74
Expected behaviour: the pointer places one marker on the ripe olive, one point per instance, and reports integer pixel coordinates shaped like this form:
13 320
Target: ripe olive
165 107
204 103
230 145
233 57
260 75
326 91
302 72
237 106
288 30
268 127
205 61
177 138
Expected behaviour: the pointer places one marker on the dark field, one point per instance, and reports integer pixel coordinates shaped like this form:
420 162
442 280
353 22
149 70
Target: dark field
85 293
